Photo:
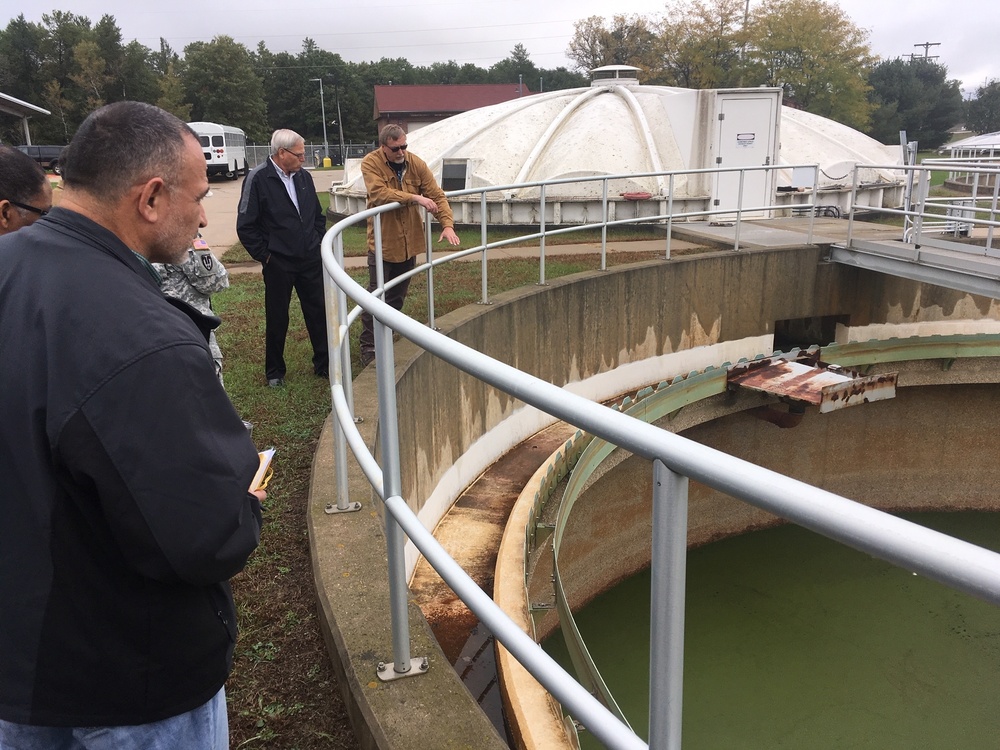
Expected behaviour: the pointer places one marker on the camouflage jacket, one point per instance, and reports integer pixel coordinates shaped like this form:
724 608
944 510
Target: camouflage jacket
195 281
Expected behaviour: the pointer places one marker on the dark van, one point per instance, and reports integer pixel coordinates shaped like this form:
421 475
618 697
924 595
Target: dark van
47 156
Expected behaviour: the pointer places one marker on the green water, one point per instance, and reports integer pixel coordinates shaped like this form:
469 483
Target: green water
794 641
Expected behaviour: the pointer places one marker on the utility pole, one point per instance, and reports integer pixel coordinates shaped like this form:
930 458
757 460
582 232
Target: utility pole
340 124
322 110
927 47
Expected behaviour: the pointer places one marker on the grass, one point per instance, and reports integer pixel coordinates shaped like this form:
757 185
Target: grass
283 692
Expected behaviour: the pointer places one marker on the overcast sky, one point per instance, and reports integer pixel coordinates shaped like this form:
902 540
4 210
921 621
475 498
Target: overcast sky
484 31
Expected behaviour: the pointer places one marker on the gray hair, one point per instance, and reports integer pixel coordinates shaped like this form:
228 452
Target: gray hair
285 139
391 132
121 145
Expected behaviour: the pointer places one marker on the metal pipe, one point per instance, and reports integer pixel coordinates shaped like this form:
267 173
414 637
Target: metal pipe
739 212
541 240
394 539
484 264
668 569
670 215
429 254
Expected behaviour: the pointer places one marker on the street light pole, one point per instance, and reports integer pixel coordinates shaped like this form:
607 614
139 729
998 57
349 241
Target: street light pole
322 108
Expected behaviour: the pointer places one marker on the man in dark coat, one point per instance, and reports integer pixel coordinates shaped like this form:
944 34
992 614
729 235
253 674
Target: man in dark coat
281 224
126 470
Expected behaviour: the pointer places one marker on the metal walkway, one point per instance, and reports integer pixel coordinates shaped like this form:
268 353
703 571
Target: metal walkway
876 247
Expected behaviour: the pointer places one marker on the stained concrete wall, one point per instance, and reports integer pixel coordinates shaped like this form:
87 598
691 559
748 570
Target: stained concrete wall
582 325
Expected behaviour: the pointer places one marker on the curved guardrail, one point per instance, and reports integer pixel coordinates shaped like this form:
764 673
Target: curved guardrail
674 460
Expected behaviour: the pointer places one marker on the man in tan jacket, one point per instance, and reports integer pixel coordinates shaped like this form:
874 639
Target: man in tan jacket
394 175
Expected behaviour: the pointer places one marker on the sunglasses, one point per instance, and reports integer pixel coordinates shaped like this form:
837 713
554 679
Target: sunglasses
397 149
26 207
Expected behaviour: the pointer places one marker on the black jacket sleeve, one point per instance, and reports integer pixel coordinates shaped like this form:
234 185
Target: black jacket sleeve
176 502
251 226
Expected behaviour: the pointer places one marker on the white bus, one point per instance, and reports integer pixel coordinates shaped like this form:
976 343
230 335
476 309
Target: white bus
225 148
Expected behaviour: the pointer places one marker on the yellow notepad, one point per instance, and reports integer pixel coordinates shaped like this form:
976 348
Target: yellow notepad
264 471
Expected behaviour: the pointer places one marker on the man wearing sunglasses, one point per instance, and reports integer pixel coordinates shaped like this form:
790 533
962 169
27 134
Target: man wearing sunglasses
281 224
25 192
394 175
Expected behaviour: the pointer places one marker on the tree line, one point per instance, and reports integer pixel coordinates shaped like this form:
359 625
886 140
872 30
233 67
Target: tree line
810 48
71 66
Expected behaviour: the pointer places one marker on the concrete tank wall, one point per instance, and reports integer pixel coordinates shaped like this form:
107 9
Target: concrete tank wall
583 325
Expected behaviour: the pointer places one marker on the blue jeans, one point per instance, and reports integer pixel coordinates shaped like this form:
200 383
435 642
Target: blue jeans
203 728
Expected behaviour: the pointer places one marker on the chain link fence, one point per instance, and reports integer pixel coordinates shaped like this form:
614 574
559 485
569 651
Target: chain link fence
314 153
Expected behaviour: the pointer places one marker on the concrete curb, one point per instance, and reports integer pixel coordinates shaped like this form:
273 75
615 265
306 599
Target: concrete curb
348 551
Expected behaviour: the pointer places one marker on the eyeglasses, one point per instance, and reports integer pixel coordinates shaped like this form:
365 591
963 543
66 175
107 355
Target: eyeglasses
26 207
301 156
397 149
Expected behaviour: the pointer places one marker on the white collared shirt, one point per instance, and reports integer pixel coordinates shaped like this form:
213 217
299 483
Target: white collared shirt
289 184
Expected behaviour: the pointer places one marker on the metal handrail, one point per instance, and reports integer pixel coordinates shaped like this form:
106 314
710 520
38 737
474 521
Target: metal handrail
917 214
675 459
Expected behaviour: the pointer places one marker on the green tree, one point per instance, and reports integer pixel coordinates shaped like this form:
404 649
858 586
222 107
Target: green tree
222 86
61 109
628 40
701 45
984 110
165 59
815 53
21 59
89 75
517 67
471 73
172 97
914 96
556 79
108 39
137 77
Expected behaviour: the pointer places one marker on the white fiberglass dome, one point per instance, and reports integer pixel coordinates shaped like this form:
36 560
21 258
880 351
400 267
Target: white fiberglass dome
618 127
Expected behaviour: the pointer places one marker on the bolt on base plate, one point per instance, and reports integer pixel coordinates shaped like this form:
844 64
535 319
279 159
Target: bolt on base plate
331 508
418 666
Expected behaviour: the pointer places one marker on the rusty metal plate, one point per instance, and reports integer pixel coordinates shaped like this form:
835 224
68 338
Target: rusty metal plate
861 390
808 380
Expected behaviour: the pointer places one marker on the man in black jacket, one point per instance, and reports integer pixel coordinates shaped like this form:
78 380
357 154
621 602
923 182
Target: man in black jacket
281 224
125 506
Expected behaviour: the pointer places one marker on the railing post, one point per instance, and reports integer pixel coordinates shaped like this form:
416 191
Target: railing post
812 212
670 213
668 569
403 665
739 211
482 236
850 209
338 345
992 214
429 248
541 240
923 182
604 224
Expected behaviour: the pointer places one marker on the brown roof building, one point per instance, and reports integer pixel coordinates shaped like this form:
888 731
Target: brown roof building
412 107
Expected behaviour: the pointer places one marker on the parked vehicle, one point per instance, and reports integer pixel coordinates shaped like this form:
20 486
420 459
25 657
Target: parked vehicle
47 156
224 146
